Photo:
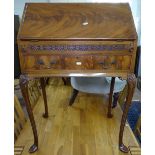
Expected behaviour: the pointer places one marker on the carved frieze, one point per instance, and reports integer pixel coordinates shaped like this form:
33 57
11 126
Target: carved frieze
113 47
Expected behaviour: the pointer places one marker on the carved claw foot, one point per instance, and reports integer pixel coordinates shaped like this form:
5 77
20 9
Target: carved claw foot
123 148
33 148
45 115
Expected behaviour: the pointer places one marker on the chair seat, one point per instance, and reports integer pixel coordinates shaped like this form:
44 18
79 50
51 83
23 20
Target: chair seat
96 85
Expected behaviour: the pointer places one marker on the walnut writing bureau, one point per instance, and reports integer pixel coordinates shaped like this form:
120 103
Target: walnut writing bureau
97 39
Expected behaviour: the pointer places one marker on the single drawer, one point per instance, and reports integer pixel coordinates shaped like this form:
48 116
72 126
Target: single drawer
112 62
78 62
42 62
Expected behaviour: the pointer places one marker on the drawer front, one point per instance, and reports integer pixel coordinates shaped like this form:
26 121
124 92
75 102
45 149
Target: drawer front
112 62
78 62
39 62
79 55
82 62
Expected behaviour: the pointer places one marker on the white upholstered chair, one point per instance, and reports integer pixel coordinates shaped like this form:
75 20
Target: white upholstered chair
96 85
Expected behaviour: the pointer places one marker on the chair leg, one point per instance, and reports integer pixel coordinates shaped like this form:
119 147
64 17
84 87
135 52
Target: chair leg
115 99
74 94
47 81
64 80
109 114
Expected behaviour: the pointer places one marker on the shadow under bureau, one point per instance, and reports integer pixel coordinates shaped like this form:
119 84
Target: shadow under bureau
80 39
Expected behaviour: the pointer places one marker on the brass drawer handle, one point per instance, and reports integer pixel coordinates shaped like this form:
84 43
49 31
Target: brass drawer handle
40 62
101 63
53 62
104 65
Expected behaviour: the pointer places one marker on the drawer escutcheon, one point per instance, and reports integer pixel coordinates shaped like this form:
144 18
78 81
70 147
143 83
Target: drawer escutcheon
78 63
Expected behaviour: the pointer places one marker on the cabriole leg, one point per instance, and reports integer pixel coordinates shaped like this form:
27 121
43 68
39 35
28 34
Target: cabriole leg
24 90
131 82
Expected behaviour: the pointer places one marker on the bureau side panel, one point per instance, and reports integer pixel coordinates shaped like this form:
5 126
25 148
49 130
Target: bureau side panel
134 56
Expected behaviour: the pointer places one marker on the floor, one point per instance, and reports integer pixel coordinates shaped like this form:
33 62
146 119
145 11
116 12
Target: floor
82 129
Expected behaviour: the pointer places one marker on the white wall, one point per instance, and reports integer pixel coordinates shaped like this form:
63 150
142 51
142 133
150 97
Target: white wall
19 6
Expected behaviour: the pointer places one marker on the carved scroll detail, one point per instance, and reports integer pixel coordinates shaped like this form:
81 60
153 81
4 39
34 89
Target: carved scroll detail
105 47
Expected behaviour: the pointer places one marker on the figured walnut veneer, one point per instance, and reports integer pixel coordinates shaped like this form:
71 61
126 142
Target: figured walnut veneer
77 21
92 39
